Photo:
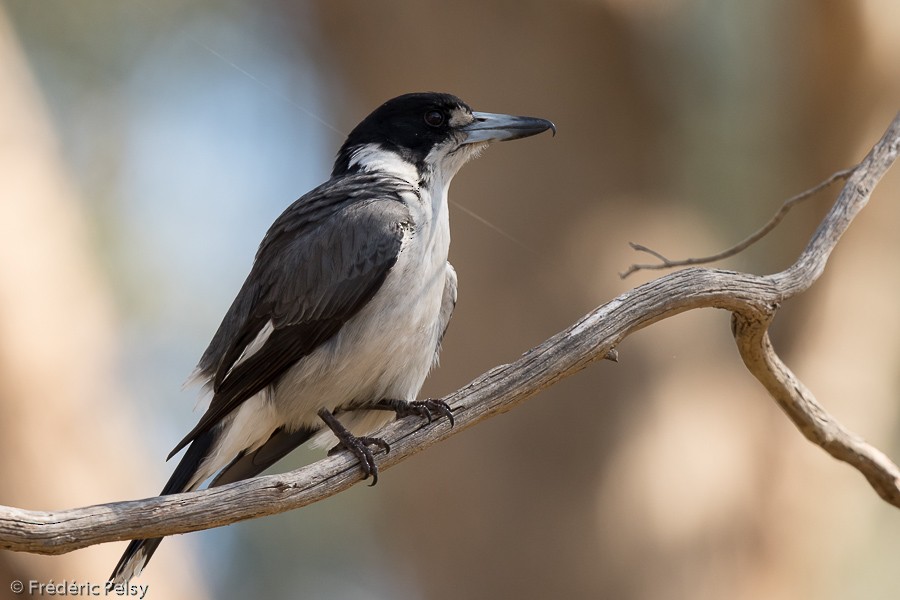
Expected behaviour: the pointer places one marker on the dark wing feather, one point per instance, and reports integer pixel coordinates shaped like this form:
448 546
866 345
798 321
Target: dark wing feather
318 265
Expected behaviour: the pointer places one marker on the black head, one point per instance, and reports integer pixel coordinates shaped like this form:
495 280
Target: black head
426 129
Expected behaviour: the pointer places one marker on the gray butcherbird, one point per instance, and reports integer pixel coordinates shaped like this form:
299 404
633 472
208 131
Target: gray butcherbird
346 304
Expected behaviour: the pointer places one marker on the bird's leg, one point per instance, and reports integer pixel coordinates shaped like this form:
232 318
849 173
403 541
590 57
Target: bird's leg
359 446
420 408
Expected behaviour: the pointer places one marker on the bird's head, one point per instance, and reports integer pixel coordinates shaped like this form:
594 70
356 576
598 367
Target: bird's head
433 133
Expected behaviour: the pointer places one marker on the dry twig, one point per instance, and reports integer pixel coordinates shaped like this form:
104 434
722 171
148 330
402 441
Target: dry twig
667 263
753 301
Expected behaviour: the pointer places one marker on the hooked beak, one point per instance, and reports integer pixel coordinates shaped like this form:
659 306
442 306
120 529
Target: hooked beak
490 127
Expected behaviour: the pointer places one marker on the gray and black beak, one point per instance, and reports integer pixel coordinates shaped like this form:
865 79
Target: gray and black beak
490 127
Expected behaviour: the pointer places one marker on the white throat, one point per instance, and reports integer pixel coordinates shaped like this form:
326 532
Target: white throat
374 158
443 162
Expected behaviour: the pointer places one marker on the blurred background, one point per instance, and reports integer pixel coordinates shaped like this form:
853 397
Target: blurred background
145 148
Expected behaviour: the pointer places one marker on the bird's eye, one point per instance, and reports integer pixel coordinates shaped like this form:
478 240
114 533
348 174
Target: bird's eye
434 118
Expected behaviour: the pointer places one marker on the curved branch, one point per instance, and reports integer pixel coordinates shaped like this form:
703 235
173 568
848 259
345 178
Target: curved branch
753 300
497 391
808 415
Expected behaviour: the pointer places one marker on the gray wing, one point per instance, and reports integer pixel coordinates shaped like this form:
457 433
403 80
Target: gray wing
307 280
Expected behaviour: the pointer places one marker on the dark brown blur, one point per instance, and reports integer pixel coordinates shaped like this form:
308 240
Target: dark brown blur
670 474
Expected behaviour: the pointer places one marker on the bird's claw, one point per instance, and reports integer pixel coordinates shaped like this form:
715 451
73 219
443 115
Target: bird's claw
426 408
359 446
418 408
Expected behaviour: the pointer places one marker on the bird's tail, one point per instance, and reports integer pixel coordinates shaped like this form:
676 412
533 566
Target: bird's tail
186 478
183 479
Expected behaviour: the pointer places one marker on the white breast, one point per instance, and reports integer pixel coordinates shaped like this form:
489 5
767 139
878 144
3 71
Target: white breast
388 348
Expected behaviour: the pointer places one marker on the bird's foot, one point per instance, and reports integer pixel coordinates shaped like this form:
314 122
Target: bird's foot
420 408
359 446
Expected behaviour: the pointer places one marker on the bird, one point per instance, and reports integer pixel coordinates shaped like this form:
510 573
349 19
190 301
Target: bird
342 315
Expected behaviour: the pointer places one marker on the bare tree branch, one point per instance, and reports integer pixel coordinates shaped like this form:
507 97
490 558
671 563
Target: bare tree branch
667 263
752 299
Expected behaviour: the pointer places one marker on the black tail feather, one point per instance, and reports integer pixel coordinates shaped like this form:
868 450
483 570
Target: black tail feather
244 466
138 552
